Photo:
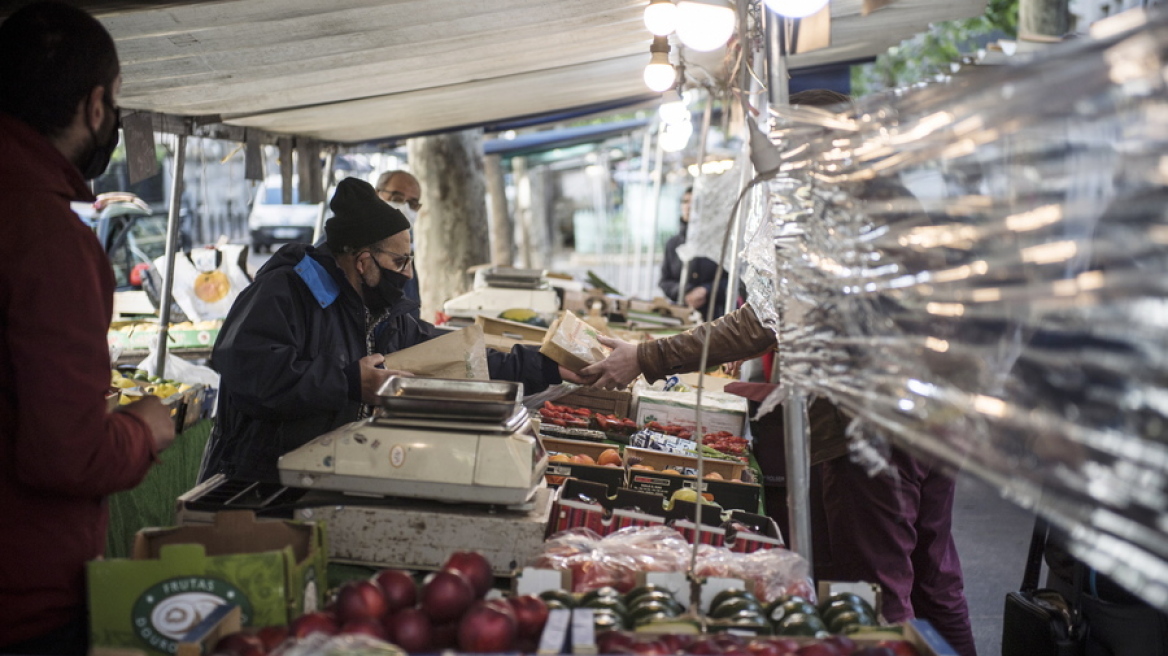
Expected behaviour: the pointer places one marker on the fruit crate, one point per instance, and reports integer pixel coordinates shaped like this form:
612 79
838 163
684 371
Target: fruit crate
609 402
613 477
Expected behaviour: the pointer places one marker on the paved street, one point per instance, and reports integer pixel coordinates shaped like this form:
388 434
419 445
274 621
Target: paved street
992 537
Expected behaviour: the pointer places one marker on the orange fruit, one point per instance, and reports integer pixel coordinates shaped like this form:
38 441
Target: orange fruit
560 457
554 480
609 457
642 467
671 471
714 476
583 459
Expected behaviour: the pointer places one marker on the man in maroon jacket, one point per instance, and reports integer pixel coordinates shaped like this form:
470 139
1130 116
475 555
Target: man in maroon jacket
61 452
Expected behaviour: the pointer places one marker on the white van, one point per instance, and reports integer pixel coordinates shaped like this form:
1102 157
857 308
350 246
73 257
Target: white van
272 222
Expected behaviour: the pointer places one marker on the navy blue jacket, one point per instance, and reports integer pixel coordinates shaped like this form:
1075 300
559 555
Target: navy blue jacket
288 352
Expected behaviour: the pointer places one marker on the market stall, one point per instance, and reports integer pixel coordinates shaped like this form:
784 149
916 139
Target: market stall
940 273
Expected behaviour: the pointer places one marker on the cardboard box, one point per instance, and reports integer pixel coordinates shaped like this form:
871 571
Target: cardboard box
585 504
659 460
572 343
609 402
514 331
612 477
274 571
726 492
221 622
720 411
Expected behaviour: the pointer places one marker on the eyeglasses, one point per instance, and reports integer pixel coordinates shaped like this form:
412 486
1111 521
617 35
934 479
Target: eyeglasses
399 197
400 262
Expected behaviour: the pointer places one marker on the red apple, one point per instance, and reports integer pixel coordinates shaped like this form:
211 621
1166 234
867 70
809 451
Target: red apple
486 628
899 647
446 596
360 600
310 623
272 636
607 641
446 636
843 644
475 567
411 630
372 628
676 642
817 649
705 647
728 640
874 651
239 643
398 588
766 648
531 614
646 647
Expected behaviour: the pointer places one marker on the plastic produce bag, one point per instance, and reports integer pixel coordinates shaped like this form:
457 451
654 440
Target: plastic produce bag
208 280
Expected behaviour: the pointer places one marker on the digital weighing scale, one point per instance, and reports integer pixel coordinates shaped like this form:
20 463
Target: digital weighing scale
465 441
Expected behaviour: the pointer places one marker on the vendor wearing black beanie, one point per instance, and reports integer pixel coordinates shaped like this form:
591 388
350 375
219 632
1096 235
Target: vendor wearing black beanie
360 217
302 349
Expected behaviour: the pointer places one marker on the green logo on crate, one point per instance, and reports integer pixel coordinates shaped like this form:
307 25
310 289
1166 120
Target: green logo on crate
167 611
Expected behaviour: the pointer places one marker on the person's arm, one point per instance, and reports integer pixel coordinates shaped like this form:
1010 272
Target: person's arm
524 364
736 336
261 356
57 300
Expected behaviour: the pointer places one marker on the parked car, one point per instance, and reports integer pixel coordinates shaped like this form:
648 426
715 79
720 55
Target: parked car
272 222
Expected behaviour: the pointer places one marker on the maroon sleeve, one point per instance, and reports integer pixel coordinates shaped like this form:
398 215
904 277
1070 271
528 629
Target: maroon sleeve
61 300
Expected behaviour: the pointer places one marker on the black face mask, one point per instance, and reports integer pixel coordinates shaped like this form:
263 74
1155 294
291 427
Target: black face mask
97 160
387 292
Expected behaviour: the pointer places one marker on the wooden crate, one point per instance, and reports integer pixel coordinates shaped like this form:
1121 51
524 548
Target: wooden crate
609 402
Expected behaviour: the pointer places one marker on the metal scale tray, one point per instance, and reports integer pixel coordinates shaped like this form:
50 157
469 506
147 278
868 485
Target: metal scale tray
449 401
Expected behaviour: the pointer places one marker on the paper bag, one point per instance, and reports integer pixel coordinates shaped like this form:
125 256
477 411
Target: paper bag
461 354
572 343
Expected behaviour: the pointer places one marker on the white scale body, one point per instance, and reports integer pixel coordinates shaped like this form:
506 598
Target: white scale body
454 462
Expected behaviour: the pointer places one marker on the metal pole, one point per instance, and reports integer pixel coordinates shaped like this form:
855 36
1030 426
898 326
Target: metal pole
330 159
658 173
172 232
629 279
798 471
706 117
795 427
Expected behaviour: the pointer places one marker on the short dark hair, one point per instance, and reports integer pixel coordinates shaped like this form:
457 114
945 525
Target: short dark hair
819 98
52 56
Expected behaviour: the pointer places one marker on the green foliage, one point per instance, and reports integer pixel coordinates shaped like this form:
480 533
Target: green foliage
931 52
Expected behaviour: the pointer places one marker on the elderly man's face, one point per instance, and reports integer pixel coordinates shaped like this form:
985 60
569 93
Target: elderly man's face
394 253
402 188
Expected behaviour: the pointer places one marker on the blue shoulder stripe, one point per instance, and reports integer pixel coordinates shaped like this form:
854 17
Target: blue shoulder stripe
322 285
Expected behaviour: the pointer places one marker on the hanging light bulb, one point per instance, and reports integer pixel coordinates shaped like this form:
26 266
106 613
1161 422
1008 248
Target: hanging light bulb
674 108
705 25
661 17
796 8
659 74
675 136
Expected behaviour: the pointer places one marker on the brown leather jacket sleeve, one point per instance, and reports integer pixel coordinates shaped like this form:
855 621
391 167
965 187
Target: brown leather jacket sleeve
736 336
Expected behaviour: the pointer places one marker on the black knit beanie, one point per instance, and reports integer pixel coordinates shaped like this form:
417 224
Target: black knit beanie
360 217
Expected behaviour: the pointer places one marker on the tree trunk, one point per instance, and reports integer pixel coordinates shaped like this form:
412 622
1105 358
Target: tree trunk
451 233
502 235
533 232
